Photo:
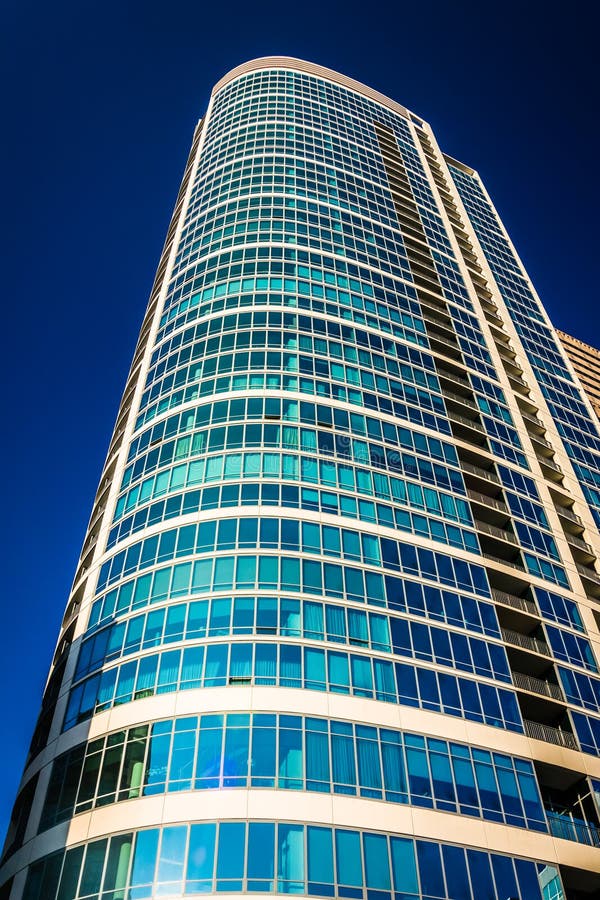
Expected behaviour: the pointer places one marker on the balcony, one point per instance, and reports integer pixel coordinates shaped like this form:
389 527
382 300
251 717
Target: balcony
561 496
433 301
538 686
496 324
436 315
525 642
541 442
468 423
551 469
499 534
453 377
508 356
489 301
569 829
520 603
568 800
444 348
494 320
514 561
439 329
550 735
532 421
470 431
458 398
584 548
566 512
591 579
478 472
488 502
518 380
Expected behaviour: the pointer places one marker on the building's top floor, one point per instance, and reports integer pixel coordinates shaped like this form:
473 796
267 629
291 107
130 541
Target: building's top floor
309 68
584 348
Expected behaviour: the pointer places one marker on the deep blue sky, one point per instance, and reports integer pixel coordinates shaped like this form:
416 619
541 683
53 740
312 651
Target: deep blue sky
101 99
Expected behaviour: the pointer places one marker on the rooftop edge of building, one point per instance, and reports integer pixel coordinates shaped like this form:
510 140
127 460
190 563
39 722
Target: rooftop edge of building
578 342
301 65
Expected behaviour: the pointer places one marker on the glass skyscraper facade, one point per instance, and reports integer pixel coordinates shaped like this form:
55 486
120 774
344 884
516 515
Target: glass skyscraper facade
334 631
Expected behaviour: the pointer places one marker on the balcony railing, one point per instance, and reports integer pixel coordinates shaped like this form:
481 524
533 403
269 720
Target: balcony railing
550 735
568 513
468 423
573 830
542 441
525 641
452 376
537 686
521 603
484 500
496 322
502 534
508 355
486 474
582 545
515 563
458 398
438 317
550 464
590 574
533 420
516 378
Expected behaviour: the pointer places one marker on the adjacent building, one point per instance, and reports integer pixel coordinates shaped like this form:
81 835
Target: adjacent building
586 362
334 631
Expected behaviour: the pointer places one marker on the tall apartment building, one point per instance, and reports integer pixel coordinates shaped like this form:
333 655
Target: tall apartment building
586 362
334 631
